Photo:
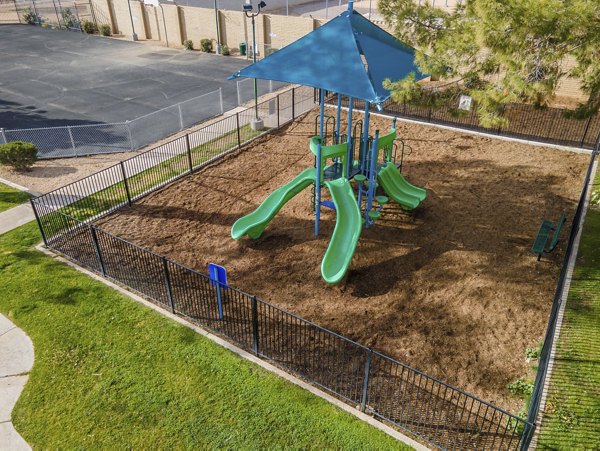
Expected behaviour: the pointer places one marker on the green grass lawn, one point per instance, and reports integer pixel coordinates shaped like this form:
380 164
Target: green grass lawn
111 373
572 414
10 197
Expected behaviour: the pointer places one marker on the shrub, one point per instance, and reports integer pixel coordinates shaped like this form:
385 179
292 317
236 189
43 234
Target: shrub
188 44
69 19
270 51
206 45
225 50
104 29
88 27
18 155
30 17
521 387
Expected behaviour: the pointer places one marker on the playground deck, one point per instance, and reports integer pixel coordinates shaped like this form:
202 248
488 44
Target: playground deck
452 288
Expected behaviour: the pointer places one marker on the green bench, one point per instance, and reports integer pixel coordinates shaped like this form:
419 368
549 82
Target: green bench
547 227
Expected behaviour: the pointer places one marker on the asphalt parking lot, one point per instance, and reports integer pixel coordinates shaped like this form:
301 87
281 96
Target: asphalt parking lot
52 78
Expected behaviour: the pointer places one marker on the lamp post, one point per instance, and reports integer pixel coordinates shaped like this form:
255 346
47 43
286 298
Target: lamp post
257 123
133 33
218 28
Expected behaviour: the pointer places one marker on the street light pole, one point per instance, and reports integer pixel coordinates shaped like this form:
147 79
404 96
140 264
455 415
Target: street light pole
257 123
133 34
218 29
254 61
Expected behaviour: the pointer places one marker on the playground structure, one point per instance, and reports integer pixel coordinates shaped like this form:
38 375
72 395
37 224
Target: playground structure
358 71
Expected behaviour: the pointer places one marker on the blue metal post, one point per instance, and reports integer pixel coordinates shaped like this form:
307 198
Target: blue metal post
318 176
372 177
350 154
365 143
360 195
219 300
337 118
350 5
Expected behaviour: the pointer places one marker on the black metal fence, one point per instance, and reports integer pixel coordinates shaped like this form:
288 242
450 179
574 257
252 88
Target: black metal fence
437 413
547 125
544 360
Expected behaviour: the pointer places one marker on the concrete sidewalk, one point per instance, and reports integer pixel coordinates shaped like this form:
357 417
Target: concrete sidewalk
16 360
15 217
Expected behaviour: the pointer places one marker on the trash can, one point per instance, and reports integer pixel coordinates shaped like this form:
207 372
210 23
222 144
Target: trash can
242 48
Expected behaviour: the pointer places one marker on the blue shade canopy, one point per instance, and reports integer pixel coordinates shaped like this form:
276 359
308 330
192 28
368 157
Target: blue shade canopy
349 55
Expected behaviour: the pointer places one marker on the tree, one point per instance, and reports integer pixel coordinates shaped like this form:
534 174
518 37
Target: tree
500 51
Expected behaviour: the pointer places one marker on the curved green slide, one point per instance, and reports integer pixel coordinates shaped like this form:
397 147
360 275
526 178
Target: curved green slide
256 222
347 229
399 189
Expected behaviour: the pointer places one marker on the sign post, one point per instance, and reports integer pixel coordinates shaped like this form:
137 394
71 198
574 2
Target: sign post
218 278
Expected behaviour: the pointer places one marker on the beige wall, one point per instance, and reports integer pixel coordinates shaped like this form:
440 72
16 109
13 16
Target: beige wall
285 30
233 28
197 24
8 14
173 24
153 27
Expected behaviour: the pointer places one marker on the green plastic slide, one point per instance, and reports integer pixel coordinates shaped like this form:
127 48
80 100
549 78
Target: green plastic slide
256 222
345 234
395 185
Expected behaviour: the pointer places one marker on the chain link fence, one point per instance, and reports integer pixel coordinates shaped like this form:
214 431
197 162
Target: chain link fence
54 13
81 140
9 12
245 89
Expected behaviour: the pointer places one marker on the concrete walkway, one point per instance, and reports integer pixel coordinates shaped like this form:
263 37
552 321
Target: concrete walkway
16 350
16 360
15 217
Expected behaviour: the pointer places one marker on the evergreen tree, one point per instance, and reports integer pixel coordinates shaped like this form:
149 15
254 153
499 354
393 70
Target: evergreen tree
500 51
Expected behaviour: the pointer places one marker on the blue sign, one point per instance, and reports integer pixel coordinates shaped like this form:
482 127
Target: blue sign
218 278
217 274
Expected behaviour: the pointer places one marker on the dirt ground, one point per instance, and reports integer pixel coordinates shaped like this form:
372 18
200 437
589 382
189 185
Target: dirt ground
451 288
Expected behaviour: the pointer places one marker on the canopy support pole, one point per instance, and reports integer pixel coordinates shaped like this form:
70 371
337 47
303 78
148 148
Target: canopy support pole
338 117
372 179
350 141
318 175
365 143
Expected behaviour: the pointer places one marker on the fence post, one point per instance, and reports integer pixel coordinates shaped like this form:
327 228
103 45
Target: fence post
56 11
17 11
293 103
72 140
129 134
125 183
255 325
168 284
180 116
37 14
39 222
221 100
97 249
500 126
237 121
587 127
189 152
278 124
3 134
363 399
527 436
